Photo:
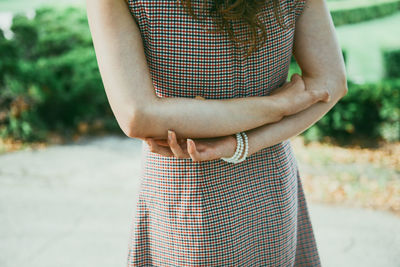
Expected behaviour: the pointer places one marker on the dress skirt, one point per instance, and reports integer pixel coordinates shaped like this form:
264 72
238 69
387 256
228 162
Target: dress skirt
215 213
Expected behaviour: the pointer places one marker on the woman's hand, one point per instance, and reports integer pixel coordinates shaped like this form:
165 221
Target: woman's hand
201 149
198 149
295 97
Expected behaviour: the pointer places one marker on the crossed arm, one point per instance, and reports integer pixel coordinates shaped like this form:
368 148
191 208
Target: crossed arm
318 54
140 113
131 94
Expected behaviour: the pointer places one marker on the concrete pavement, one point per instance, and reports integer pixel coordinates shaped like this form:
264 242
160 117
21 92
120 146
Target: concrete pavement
71 205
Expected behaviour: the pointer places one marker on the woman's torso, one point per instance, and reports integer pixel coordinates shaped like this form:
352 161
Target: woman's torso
186 60
194 204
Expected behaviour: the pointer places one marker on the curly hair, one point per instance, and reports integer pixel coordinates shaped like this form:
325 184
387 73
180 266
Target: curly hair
224 12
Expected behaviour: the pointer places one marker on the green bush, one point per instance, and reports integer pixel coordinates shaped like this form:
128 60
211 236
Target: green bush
391 61
50 82
368 112
49 75
356 13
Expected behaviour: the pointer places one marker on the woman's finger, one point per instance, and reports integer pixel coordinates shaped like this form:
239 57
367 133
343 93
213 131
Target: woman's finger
164 142
165 151
193 153
174 146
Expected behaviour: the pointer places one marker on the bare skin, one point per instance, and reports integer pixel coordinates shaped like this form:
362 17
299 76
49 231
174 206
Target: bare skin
208 148
317 52
141 114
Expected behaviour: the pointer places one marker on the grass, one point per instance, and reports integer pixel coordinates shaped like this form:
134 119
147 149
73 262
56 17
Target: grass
363 42
345 4
23 6
355 177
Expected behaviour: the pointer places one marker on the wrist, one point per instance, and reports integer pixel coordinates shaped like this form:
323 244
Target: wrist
241 150
232 145
253 146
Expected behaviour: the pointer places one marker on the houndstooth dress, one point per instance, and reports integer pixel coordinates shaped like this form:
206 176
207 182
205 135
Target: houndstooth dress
215 213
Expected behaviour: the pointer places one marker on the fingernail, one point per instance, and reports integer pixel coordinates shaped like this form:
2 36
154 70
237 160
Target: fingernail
169 134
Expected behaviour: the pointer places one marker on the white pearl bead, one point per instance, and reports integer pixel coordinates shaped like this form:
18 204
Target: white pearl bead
246 149
239 149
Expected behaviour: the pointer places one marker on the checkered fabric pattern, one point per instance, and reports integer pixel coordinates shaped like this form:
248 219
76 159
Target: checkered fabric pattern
215 213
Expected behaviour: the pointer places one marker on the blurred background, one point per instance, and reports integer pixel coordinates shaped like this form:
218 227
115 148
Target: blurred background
69 178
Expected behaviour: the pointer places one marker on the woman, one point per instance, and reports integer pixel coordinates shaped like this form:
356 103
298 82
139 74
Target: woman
201 75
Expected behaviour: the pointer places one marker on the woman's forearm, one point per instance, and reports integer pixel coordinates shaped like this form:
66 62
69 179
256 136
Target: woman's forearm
318 54
141 113
194 118
293 125
197 118
129 87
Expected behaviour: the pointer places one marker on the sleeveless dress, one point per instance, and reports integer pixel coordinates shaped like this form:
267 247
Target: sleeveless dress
215 213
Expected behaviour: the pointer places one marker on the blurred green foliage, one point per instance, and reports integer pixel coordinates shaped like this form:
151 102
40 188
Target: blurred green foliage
368 112
50 82
355 12
391 59
49 78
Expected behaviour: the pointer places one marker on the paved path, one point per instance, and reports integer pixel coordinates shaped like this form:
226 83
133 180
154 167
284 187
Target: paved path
72 205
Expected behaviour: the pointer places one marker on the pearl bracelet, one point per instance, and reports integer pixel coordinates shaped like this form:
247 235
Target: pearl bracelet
246 151
238 152
239 149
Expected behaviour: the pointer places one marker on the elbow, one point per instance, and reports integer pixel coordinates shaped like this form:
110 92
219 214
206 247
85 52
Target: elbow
134 126
344 92
128 120
340 87
138 123
344 87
